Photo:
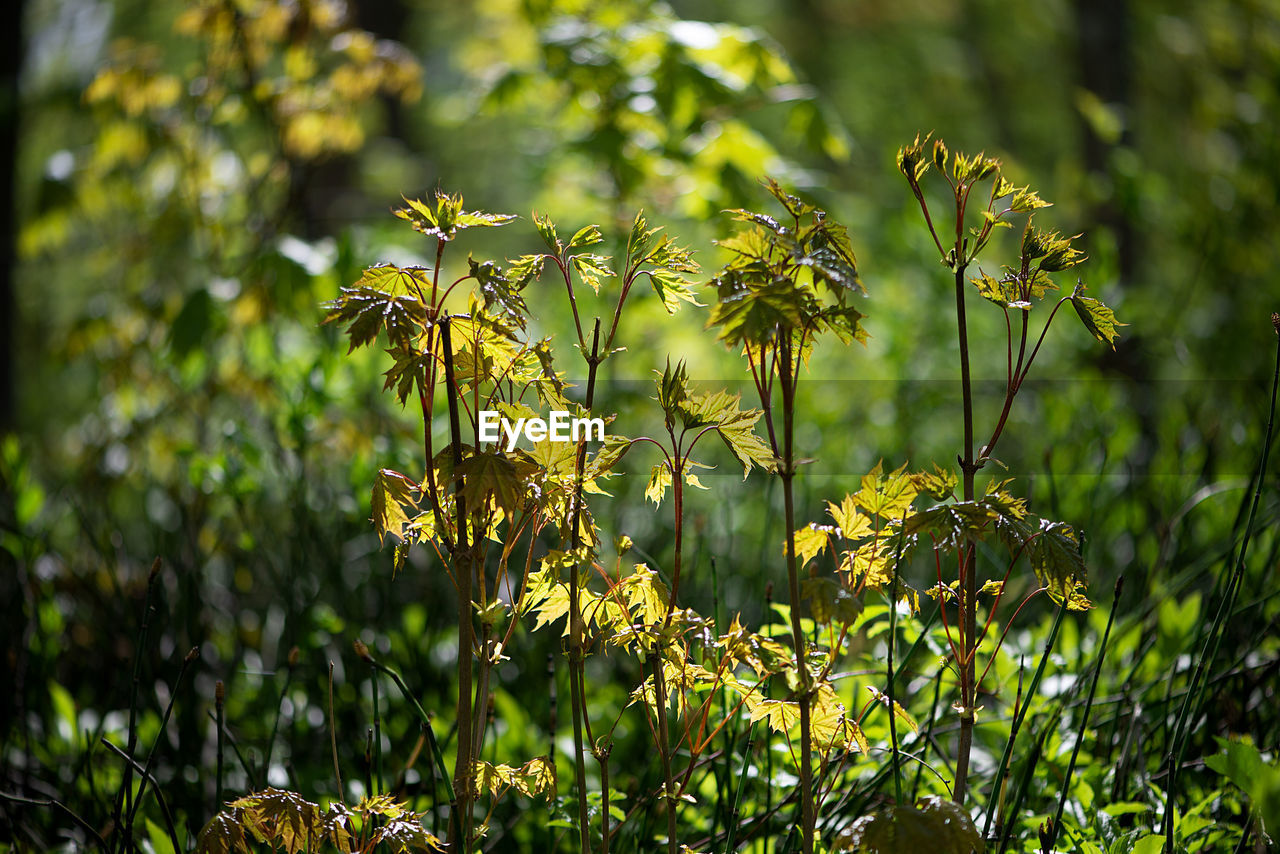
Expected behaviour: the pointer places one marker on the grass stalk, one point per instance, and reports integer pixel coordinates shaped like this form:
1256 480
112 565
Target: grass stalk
124 798
292 662
1016 726
333 743
1056 826
424 719
735 815
377 734
1028 773
1193 700
151 757
165 813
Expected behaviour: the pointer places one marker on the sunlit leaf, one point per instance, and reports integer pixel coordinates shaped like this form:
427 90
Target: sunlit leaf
405 836
547 231
809 542
953 523
448 218
490 474
586 236
1056 558
888 496
392 502
672 289
782 715
646 595
1097 318
853 524
501 294
1002 292
366 311
592 268
223 835
408 370
659 480
937 484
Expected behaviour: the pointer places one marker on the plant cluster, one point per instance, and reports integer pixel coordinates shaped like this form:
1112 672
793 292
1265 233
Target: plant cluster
516 534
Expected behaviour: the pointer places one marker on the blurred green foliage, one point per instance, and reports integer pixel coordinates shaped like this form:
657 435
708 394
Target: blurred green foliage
195 179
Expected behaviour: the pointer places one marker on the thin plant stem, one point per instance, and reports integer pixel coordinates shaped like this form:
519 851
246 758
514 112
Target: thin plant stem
333 742
551 748
787 377
368 760
928 731
893 724
736 814
577 652
968 554
768 747
664 752
464 569
602 757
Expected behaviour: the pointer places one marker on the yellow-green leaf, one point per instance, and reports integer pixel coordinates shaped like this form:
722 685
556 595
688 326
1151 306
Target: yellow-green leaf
392 494
1097 318
659 480
809 542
